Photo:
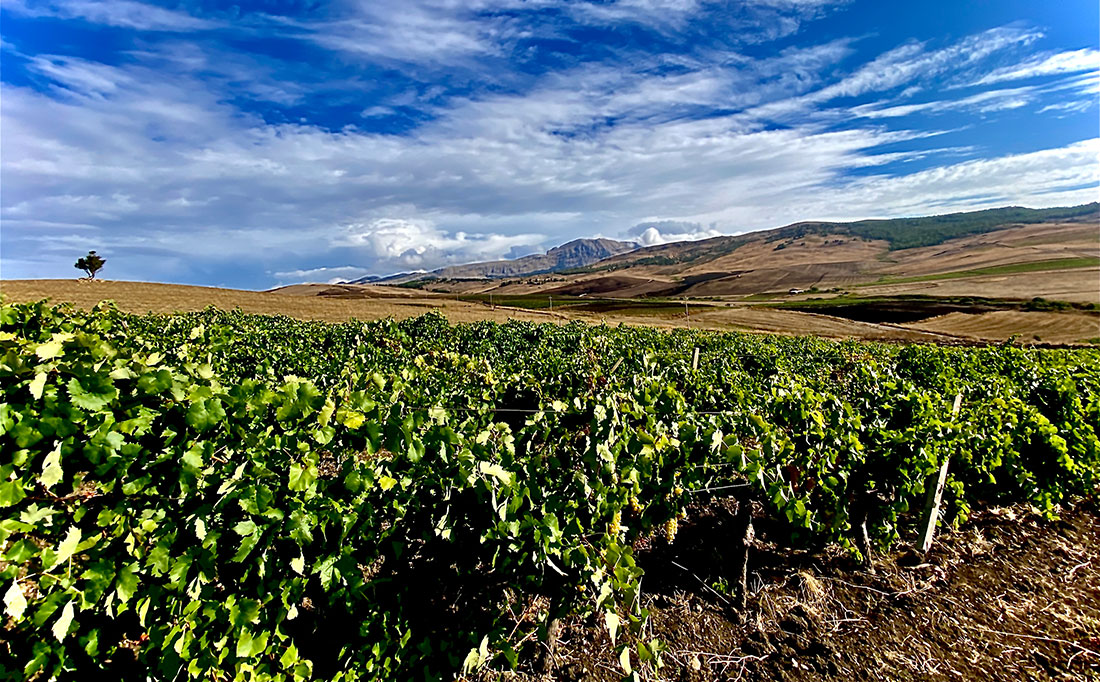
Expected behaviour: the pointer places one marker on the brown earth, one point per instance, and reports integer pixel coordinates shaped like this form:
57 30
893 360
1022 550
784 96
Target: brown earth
368 303
760 263
1030 326
143 297
350 291
760 319
1008 597
1079 285
337 303
1010 246
620 286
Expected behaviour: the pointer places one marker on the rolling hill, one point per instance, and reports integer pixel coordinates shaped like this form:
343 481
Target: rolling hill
999 252
965 278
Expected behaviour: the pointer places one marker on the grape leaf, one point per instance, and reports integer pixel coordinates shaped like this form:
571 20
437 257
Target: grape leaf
51 468
61 627
15 603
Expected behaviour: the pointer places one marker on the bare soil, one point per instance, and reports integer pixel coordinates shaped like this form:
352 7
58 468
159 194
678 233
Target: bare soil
341 303
764 264
1010 246
338 303
1008 597
1079 285
374 303
1029 326
769 320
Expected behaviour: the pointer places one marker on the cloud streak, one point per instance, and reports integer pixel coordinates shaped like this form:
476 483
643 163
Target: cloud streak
120 13
1071 61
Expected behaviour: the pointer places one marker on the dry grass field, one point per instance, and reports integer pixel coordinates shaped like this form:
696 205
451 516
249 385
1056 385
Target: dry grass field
368 302
1039 243
1029 326
374 302
1050 260
141 297
1079 285
767 320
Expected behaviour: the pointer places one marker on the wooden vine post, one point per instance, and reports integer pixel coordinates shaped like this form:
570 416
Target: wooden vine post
935 495
860 511
743 538
695 359
548 660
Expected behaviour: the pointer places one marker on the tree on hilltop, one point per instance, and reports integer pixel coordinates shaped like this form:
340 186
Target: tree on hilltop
91 264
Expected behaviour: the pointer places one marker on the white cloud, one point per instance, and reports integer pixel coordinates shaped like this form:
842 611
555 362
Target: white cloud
911 67
1061 176
151 159
420 244
982 102
1082 89
78 75
1073 61
653 233
329 275
444 33
1067 108
487 176
120 13
658 13
912 61
415 31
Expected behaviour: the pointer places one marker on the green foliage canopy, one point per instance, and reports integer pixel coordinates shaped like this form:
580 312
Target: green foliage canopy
257 498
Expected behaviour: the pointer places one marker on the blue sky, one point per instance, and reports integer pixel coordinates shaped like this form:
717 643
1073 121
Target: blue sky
261 143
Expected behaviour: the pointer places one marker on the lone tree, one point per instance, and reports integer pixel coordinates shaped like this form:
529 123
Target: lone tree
91 264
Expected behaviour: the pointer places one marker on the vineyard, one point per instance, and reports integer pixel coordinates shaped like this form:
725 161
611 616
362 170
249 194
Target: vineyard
223 496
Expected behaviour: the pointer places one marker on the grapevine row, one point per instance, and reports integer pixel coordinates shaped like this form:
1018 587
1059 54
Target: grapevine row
217 495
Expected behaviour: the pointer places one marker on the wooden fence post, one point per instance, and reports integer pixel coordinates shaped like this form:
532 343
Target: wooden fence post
695 359
743 538
935 495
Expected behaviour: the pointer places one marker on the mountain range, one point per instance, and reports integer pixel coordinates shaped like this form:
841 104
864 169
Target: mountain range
804 255
575 254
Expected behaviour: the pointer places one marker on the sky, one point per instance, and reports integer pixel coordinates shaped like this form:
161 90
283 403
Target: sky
263 143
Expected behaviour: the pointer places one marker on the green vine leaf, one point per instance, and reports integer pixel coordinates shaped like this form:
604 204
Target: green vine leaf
624 660
61 628
37 385
52 348
51 468
612 621
68 546
15 603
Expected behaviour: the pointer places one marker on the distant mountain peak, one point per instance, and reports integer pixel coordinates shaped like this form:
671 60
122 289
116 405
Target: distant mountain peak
577 253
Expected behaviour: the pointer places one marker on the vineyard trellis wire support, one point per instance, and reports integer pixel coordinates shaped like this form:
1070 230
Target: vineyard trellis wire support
717 488
548 659
702 582
935 494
